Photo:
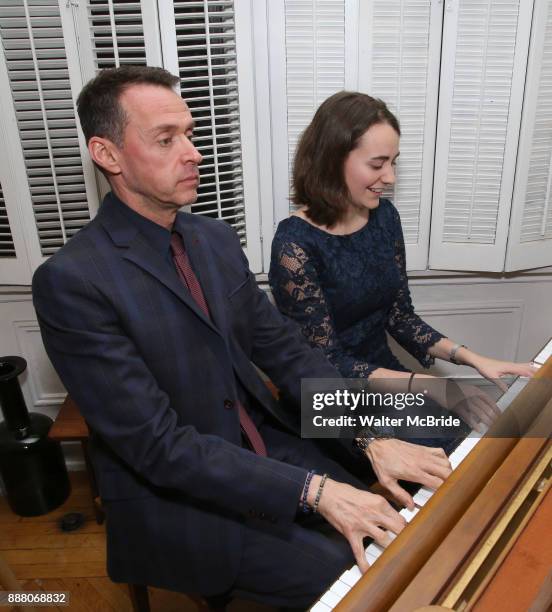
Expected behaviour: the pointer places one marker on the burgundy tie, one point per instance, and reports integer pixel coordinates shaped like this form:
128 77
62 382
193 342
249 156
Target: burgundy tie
188 277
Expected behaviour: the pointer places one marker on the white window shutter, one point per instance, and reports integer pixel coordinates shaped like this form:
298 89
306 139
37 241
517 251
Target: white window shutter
311 51
399 47
14 266
530 239
485 46
43 137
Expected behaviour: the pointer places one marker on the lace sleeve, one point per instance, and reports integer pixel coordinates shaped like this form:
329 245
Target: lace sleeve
297 292
408 329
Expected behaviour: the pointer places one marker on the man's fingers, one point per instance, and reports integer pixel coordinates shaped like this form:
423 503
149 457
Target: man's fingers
358 551
428 480
500 384
481 411
441 470
490 405
470 419
437 451
393 521
381 537
401 495
443 462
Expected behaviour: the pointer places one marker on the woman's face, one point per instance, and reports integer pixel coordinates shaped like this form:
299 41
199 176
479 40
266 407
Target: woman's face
370 167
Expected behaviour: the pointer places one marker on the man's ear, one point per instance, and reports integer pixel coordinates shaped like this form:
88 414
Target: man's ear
105 153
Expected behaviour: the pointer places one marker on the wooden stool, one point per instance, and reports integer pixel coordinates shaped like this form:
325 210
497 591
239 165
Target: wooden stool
70 426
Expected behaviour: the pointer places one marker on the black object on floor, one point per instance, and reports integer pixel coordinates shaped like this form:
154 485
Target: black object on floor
32 466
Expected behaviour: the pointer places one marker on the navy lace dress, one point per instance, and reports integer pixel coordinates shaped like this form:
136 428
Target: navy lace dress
347 291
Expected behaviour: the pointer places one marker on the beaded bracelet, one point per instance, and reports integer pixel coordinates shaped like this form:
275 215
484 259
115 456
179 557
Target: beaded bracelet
319 494
303 503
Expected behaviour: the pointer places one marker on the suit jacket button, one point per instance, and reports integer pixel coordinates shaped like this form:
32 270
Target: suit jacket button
229 404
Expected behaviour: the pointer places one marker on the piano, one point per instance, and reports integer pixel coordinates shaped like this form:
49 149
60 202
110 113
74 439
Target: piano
458 550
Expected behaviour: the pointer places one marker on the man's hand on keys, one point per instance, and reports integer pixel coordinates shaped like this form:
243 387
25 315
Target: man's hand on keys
395 460
356 514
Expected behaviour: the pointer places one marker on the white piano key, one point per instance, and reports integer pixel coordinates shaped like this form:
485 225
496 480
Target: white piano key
409 514
423 496
320 607
465 447
340 588
512 393
371 555
330 599
391 535
352 576
456 460
544 354
373 552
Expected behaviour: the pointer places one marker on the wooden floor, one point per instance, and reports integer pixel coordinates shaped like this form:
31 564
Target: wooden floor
44 558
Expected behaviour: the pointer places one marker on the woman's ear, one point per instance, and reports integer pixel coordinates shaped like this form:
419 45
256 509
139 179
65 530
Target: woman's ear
105 153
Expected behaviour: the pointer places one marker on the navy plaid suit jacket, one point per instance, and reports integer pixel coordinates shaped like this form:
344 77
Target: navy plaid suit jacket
153 376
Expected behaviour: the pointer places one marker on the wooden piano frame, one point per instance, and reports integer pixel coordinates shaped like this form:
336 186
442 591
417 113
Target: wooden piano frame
431 562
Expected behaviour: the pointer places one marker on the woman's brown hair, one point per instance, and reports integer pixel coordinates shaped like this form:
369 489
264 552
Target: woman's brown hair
335 130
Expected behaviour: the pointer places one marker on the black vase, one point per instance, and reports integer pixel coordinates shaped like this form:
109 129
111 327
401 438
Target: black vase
31 465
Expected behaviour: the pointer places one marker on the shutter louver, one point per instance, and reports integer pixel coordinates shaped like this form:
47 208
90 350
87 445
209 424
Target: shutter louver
117 33
480 104
207 64
7 247
36 62
400 65
315 61
401 41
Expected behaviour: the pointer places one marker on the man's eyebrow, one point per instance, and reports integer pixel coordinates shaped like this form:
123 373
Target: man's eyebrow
168 127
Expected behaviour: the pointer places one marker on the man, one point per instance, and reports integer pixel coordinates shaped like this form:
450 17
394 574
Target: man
152 320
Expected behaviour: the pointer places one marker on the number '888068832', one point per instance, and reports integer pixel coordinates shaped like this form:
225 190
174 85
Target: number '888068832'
34 598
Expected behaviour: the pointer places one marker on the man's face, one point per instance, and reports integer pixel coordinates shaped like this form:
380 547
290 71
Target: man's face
157 160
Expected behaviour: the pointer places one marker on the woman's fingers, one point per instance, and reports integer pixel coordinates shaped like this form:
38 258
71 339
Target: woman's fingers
522 369
500 384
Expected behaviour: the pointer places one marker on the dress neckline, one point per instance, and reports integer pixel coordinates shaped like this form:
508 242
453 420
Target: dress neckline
325 233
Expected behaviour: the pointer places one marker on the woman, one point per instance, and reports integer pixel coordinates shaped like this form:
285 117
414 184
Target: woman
338 263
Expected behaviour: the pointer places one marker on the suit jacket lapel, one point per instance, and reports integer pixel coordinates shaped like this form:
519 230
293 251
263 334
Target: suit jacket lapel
139 252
